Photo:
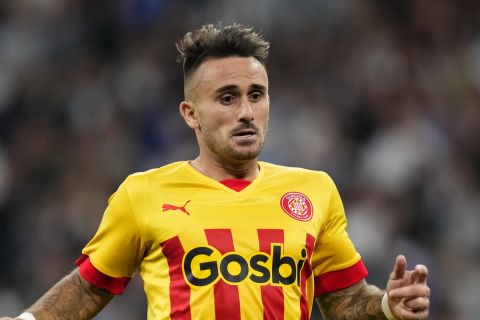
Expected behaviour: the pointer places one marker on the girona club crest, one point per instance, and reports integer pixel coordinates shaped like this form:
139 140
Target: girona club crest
297 206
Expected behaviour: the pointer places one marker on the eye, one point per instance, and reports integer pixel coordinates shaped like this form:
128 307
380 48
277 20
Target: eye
227 99
255 96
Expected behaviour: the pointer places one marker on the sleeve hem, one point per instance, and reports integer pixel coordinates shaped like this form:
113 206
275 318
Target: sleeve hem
88 271
340 279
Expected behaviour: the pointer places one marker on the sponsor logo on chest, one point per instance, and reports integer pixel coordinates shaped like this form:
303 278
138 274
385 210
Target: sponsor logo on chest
203 266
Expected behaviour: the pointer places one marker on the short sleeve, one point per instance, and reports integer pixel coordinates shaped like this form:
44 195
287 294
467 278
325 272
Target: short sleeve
336 263
117 249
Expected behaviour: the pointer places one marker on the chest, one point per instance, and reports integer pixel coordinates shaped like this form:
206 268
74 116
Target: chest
247 224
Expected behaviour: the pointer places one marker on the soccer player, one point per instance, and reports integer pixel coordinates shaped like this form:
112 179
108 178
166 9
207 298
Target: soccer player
226 236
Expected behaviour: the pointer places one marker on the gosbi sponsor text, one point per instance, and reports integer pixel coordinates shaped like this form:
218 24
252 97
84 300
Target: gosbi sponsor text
205 265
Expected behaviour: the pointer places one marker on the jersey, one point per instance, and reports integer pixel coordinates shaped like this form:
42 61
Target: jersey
206 251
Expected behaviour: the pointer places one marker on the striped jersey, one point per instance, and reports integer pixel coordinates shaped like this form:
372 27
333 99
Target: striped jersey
207 251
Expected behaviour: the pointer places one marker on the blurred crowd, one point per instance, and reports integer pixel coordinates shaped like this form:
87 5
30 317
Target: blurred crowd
382 95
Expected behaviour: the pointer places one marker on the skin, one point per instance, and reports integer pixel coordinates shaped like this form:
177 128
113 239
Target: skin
223 99
227 105
408 297
71 298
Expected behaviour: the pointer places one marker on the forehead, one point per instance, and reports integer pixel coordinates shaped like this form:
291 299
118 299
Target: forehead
240 71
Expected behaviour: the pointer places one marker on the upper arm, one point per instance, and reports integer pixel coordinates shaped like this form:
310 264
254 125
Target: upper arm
335 261
117 248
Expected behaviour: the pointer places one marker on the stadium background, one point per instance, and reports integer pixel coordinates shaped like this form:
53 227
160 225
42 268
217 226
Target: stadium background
383 95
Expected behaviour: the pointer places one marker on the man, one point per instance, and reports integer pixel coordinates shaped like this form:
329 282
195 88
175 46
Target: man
226 236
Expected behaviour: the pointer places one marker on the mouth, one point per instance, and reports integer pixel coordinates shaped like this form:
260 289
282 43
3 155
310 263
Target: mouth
245 133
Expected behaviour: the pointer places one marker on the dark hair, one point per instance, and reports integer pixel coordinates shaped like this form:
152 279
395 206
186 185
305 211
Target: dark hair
217 42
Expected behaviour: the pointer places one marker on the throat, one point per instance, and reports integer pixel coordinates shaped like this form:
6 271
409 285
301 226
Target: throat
224 171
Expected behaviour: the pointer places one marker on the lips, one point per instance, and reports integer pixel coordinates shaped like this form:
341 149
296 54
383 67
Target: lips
245 130
245 133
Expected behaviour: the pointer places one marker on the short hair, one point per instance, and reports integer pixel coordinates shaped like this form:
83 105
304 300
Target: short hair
212 41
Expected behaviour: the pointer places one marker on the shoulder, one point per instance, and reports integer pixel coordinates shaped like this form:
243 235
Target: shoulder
165 172
139 186
141 183
285 172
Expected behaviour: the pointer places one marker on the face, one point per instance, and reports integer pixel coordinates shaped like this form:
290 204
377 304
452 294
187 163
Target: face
227 104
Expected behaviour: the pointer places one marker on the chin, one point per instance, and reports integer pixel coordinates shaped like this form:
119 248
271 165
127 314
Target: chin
245 155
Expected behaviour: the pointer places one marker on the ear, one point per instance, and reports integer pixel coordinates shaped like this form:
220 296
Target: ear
189 114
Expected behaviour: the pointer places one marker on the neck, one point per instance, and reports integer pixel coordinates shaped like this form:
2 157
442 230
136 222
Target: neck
221 170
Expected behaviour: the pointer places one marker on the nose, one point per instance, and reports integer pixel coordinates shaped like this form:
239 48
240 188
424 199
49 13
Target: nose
246 112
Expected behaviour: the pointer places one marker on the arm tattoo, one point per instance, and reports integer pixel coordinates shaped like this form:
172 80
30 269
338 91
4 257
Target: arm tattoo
72 298
360 302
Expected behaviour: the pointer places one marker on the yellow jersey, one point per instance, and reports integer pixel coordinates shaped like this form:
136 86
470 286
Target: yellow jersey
207 251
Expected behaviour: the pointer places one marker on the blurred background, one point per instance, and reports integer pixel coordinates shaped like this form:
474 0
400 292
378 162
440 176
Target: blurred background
383 95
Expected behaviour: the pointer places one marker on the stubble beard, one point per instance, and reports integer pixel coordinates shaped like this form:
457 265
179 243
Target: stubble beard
239 155
226 151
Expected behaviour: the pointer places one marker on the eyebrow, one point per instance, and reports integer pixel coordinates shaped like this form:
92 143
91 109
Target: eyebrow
228 87
232 87
258 87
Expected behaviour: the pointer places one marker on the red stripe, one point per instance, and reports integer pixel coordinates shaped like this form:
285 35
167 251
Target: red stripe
99 279
179 289
306 272
227 299
340 279
272 296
